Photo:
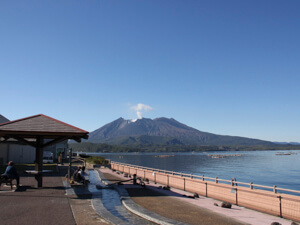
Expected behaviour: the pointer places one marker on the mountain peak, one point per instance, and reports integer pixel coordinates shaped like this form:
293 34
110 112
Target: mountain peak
162 131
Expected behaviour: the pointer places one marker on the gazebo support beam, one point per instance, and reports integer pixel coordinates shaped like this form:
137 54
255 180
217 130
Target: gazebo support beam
78 139
39 161
54 141
23 141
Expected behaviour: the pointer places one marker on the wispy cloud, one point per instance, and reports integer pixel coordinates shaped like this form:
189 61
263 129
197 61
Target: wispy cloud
140 109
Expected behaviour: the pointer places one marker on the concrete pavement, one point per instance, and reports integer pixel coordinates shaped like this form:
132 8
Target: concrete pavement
51 205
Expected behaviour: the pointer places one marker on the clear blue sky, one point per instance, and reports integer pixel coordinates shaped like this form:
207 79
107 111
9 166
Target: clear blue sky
225 67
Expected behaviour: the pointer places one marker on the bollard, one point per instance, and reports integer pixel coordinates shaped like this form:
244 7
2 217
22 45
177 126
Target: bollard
134 179
168 180
280 206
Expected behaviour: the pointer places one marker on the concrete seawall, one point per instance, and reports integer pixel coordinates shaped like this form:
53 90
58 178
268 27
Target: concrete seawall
278 204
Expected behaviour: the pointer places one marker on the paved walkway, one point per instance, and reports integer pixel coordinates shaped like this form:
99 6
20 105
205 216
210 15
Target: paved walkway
51 205
48 205
177 205
30 205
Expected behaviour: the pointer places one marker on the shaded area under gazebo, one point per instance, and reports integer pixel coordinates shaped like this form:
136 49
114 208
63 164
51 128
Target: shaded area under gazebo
39 131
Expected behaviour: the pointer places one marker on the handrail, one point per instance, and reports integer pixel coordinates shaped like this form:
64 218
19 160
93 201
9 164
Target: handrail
217 180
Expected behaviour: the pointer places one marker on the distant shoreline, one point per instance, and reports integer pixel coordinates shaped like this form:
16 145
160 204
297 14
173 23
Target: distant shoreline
105 148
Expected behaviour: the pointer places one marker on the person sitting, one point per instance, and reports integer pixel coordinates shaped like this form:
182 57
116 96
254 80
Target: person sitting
82 170
76 175
81 174
11 173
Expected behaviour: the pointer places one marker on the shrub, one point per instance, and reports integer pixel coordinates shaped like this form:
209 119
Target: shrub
96 160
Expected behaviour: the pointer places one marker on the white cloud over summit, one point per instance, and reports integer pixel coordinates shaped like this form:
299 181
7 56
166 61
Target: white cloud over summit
140 109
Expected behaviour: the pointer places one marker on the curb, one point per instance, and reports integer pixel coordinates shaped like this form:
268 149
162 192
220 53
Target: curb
96 204
103 212
131 206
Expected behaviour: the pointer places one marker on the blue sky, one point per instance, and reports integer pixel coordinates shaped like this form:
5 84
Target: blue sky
225 67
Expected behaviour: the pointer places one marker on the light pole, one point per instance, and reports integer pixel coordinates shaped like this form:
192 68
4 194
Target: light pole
70 163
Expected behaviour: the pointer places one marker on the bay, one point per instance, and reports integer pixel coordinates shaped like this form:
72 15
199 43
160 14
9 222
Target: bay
280 168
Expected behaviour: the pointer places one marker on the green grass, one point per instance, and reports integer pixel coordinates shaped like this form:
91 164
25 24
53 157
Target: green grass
96 160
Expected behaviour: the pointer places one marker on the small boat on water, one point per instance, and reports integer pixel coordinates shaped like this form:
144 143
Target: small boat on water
163 156
217 156
283 153
224 155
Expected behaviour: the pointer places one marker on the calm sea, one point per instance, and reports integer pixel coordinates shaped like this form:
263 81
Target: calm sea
280 168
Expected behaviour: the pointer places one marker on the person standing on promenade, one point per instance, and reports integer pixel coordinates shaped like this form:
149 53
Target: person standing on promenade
11 173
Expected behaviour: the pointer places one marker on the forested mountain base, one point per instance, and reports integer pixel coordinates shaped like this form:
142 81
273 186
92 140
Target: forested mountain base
101 147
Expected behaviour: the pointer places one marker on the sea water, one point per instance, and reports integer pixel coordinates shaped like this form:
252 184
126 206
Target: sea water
280 168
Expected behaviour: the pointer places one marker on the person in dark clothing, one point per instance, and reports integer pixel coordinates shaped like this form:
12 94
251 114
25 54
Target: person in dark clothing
11 173
81 175
76 175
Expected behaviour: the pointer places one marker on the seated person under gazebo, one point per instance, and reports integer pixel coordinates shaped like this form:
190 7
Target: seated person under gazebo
10 173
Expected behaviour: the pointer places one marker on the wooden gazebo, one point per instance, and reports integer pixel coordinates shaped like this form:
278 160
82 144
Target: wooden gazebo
40 131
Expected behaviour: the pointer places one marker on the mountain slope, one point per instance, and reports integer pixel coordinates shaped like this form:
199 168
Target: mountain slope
3 119
162 131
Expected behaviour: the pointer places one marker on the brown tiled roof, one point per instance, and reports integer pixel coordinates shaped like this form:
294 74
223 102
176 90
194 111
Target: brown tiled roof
40 125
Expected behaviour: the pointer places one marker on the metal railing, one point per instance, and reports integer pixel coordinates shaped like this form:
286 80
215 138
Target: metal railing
254 196
232 182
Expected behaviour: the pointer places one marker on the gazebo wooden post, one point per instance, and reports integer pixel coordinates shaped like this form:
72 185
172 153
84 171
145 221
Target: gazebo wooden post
39 161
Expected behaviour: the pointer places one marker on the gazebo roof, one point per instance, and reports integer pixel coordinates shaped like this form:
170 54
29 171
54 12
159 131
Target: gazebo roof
40 131
41 125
